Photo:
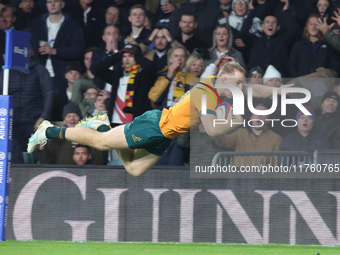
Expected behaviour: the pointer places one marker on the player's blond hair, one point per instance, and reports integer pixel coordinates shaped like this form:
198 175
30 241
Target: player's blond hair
230 68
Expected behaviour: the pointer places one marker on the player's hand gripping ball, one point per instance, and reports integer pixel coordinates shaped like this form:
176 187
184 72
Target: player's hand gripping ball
224 111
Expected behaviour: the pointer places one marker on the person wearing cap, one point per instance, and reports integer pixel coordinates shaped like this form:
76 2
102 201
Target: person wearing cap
305 137
272 77
61 151
131 82
328 120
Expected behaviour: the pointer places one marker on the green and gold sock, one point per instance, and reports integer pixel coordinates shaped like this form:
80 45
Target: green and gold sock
56 132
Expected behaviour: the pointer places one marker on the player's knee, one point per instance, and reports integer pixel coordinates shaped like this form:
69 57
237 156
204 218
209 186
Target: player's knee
134 172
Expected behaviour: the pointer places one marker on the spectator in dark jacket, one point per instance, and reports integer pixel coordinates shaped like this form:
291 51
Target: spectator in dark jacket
328 121
312 52
57 40
270 47
91 18
26 12
33 97
207 19
305 137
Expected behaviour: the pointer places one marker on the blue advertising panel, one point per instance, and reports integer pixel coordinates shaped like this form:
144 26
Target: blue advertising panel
17 50
6 120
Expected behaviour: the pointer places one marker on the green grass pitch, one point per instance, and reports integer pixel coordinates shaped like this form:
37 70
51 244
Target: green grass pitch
12 247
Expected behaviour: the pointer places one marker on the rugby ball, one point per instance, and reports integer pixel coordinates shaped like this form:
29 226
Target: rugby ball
224 111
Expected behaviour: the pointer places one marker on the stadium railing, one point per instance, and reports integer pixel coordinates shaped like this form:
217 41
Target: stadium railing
326 157
262 158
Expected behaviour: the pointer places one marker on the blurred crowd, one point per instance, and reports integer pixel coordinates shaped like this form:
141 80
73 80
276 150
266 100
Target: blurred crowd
124 57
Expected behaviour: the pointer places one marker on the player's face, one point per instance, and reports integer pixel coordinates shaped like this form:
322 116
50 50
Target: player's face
112 15
81 155
160 41
187 24
236 79
137 17
71 119
270 26
305 123
329 105
54 6
128 60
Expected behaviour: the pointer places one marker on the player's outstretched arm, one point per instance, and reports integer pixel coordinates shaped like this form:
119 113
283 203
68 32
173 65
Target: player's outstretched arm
263 91
215 127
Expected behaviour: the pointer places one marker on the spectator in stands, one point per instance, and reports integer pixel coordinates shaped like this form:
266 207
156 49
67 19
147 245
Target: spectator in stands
202 10
138 33
187 25
255 137
170 86
222 45
323 9
8 17
163 41
26 12
272 77
312 52
330 32
111 45
328 120
270 47
195 65
213 68
304 138
172 82
162 9
61 151
57 40
82 155
73 72
237 17
225 6
290 20
91 18
33 96
130 83
112 17
124 9
255 75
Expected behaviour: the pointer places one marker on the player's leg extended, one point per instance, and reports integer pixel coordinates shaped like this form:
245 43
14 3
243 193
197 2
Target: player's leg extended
137 162
110 140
